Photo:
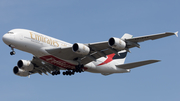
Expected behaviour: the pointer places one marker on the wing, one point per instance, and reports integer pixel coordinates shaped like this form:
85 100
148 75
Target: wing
42 67
133 42
97 50
151 37
136 64
101 49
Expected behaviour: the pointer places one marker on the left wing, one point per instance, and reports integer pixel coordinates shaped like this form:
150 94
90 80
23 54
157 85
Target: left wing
86 53
42 67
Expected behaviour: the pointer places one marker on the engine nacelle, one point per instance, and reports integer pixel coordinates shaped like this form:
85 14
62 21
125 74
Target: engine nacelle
117 43
25 65
80 49
20 72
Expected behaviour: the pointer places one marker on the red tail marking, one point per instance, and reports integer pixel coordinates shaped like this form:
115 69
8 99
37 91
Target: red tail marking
109 59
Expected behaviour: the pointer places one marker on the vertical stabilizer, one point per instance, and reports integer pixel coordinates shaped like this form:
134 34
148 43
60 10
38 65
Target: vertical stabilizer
126 36
117 60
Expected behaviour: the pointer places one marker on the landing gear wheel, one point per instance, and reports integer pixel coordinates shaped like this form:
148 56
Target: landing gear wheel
56 73
69 72
64 73
12 48
53 74
12 53
79 68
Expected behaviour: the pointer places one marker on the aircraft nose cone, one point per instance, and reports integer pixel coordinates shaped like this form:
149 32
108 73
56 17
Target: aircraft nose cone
5 39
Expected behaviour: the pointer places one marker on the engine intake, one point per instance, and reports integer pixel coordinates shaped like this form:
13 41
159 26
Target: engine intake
117 43
20 72
80 49
25 65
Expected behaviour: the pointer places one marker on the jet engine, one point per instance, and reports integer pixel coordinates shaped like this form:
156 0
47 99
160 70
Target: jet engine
20 72
117 43
80 49
25 65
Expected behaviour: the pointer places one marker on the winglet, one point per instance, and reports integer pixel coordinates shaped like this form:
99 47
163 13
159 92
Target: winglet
176 33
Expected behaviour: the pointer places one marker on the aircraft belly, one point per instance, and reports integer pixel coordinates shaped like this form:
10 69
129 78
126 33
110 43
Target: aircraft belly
107 68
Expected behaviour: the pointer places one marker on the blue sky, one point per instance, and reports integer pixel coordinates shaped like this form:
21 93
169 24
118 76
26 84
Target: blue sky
93 21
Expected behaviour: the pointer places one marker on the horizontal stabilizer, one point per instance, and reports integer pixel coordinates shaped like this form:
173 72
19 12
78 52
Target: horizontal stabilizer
136 64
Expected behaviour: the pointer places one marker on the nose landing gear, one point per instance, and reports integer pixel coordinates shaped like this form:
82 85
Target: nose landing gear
12 52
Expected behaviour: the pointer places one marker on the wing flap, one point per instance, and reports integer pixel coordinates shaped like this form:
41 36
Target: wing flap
136 64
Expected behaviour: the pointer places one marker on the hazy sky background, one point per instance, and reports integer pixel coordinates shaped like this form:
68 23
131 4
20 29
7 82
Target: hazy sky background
93 21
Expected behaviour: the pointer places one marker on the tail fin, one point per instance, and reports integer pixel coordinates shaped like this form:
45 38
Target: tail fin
118 60
126 36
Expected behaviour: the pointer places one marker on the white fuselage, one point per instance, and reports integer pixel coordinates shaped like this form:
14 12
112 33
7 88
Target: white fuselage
36 43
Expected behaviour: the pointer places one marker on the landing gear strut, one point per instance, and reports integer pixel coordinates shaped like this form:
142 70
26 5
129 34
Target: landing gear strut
12 52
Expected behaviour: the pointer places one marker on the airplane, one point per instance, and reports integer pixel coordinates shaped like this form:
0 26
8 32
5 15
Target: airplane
51 55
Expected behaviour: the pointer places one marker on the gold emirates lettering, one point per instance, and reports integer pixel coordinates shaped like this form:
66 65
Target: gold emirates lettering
44 39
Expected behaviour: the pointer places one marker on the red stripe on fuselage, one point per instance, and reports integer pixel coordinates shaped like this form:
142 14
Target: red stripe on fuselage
109 59
58 62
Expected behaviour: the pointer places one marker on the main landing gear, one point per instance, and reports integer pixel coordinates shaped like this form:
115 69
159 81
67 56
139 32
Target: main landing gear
69 72
55 73
12 52
78 69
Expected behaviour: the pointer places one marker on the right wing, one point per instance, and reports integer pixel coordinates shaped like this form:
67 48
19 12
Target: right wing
151 37
133 42
101 49
136 64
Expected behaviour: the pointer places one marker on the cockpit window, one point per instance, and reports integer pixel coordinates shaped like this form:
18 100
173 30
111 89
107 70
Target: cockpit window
10 33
